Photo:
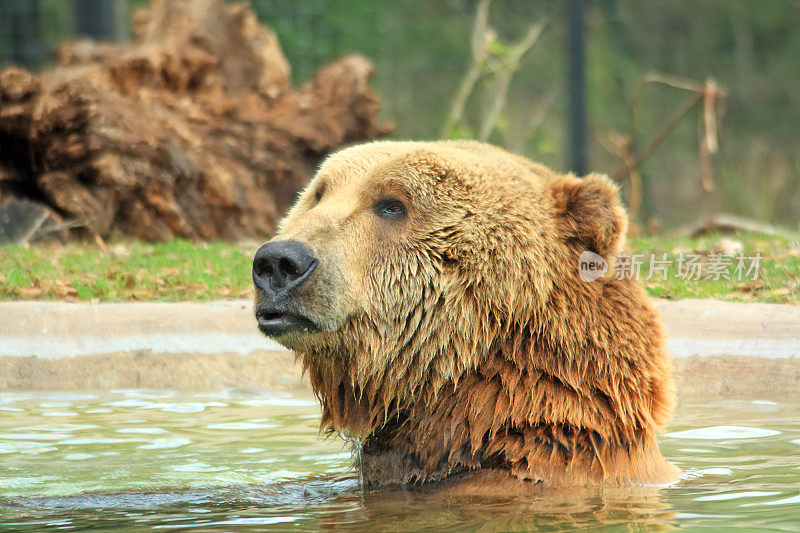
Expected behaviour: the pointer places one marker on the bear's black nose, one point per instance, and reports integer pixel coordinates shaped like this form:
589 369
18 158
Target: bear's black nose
281 266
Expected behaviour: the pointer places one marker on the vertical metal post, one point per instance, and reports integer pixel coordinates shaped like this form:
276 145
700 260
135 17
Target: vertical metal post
576 81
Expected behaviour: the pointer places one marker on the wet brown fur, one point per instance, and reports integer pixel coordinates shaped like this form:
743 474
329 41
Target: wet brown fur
462 338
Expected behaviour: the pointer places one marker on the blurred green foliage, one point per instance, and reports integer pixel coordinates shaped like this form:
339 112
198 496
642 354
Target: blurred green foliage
421 50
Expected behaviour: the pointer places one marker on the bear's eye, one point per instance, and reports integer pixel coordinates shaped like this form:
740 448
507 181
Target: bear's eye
389 209
319 193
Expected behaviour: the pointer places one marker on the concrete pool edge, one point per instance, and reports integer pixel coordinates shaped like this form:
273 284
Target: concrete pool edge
51 330
272 370
720 348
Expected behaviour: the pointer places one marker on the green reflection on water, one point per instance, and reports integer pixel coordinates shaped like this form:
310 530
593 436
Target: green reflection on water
167 460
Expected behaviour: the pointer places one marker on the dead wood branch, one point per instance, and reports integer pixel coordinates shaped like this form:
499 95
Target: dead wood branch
503 74
726 223
662 134
482 37
709 94
490 57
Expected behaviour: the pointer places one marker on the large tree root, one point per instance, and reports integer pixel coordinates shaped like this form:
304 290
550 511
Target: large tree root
192 131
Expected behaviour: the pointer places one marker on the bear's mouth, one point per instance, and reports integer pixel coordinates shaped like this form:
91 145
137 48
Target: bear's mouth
276 323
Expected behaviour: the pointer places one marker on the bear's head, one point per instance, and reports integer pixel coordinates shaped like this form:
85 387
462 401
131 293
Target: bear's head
409 275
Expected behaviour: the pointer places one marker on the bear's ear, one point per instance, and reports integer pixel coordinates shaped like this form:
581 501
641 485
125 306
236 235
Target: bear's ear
589 212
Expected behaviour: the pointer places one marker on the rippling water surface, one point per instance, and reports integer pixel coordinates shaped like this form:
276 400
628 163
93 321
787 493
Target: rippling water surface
223 461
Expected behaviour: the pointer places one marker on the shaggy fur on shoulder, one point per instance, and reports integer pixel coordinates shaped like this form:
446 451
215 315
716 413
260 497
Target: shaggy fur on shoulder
456 334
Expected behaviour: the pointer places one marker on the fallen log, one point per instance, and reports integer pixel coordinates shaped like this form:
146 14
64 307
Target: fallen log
192 130
727 223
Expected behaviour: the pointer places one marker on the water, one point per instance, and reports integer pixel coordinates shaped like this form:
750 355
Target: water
143 460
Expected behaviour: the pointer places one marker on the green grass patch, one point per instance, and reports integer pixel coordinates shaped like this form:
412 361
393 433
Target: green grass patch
720 267
185 270
127 270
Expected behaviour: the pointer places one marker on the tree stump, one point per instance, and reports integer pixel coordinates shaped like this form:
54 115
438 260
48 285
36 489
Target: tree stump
192 130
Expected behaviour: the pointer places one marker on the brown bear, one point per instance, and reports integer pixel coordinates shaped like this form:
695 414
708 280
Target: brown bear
432 292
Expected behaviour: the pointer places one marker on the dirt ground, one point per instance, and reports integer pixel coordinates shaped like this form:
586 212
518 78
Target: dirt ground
721 349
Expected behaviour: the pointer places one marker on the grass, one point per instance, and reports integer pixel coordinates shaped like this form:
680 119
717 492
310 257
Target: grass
185 270
777 280
127 270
